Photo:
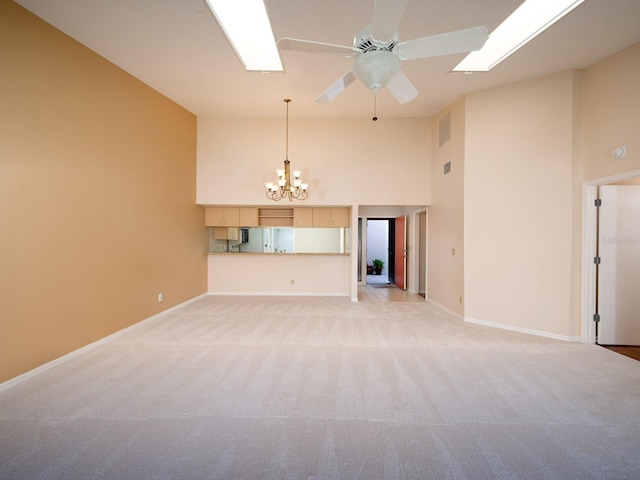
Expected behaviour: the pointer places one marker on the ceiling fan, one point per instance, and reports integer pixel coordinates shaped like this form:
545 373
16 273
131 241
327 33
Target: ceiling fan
378 52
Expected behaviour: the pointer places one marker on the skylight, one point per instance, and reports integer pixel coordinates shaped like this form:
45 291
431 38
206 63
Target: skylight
524 24
246 24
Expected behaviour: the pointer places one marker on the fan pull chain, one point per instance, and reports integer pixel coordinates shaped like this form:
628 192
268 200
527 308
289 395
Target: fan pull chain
375 98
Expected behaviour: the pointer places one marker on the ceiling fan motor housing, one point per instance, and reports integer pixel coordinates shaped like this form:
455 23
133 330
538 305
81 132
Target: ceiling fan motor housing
375 63
375 68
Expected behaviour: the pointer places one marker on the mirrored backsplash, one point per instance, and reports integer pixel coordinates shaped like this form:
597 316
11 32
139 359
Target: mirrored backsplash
334 240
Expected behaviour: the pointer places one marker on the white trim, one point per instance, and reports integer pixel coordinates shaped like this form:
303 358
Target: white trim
618 177
42 368
414 251
588 282
528 331
353 280
589 231
445 309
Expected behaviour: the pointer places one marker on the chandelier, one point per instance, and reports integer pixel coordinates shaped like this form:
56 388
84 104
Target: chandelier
286 186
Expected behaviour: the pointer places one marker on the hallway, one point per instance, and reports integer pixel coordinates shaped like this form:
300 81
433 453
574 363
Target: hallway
386 293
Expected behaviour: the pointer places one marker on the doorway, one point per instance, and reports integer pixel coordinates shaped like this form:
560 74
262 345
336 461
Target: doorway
595 301
413 254
380 251
618 265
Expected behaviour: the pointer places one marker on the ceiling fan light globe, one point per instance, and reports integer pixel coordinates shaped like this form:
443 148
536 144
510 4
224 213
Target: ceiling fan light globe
374 69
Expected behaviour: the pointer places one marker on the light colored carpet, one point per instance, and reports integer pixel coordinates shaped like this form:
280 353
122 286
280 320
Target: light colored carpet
322 388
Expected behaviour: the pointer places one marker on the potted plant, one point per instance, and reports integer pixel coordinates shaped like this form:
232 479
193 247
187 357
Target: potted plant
377 266
369 269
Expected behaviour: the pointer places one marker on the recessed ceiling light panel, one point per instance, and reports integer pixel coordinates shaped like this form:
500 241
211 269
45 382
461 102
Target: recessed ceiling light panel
523 25
246 25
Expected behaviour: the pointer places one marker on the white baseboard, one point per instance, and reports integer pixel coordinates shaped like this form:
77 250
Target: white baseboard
528 331
20 378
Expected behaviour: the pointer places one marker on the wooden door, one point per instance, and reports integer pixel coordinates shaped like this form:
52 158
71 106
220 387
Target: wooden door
400 253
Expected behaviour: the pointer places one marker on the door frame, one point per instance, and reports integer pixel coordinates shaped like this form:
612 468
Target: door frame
589 250
364 241
401 258
418 257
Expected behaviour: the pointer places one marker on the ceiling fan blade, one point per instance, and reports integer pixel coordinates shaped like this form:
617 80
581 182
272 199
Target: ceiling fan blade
460 41
337 88
401 88
386 18
313 47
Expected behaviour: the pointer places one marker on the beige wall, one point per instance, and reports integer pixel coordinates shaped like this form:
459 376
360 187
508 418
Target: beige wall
97 197
519 205
345 161
271 274
97 192
611 114
445 273
528 148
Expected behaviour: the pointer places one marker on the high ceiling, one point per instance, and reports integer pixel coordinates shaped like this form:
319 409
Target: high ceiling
178 48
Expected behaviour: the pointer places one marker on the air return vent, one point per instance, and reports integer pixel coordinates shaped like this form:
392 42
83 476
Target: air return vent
444 129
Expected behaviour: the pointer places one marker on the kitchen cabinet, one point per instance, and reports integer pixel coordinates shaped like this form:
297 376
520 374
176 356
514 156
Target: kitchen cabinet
303 217
331 217
275 217
222 216
226 233
248 217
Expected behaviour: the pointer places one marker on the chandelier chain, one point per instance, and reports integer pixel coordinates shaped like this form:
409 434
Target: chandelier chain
286 152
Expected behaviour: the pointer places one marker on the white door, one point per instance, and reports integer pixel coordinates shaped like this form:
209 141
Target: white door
619 270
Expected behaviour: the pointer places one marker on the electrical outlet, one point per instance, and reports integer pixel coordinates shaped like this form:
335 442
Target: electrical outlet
460 300
453 251
293 281
160 297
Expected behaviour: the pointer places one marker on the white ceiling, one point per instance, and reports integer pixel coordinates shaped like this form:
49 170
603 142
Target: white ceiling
178 48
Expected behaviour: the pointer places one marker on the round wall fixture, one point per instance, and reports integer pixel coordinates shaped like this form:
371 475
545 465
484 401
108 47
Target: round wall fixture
618 152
